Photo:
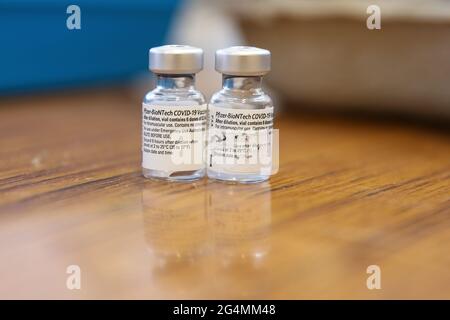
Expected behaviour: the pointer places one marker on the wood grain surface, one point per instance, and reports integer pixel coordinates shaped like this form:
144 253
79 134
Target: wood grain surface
349 194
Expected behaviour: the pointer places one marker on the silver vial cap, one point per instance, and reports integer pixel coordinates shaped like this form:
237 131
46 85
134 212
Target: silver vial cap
243 61
175 59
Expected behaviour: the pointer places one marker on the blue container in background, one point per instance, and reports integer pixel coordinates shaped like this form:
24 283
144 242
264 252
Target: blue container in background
38 51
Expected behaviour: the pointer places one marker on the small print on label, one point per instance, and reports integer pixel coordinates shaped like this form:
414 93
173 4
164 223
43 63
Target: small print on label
173 137
240 140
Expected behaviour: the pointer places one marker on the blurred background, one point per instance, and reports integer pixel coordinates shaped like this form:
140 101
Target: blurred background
324 56
364 163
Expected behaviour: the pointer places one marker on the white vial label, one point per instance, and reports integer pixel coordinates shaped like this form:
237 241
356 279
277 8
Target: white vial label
173 137
240 140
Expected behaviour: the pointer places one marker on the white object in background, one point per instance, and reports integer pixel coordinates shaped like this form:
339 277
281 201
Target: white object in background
205 25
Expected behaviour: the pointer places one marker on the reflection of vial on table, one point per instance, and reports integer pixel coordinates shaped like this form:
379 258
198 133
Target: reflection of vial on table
174 116
240 217
240 118
175 223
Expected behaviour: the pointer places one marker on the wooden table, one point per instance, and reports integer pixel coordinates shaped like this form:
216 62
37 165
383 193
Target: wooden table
349 194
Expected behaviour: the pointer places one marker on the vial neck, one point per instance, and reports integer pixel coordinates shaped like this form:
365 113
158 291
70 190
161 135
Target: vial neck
241 83
175 82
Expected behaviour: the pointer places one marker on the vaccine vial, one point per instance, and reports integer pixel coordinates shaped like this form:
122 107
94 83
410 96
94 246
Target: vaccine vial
174 116
240 118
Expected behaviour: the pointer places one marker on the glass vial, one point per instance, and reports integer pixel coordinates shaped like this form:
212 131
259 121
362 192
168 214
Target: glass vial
240 118
174 116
